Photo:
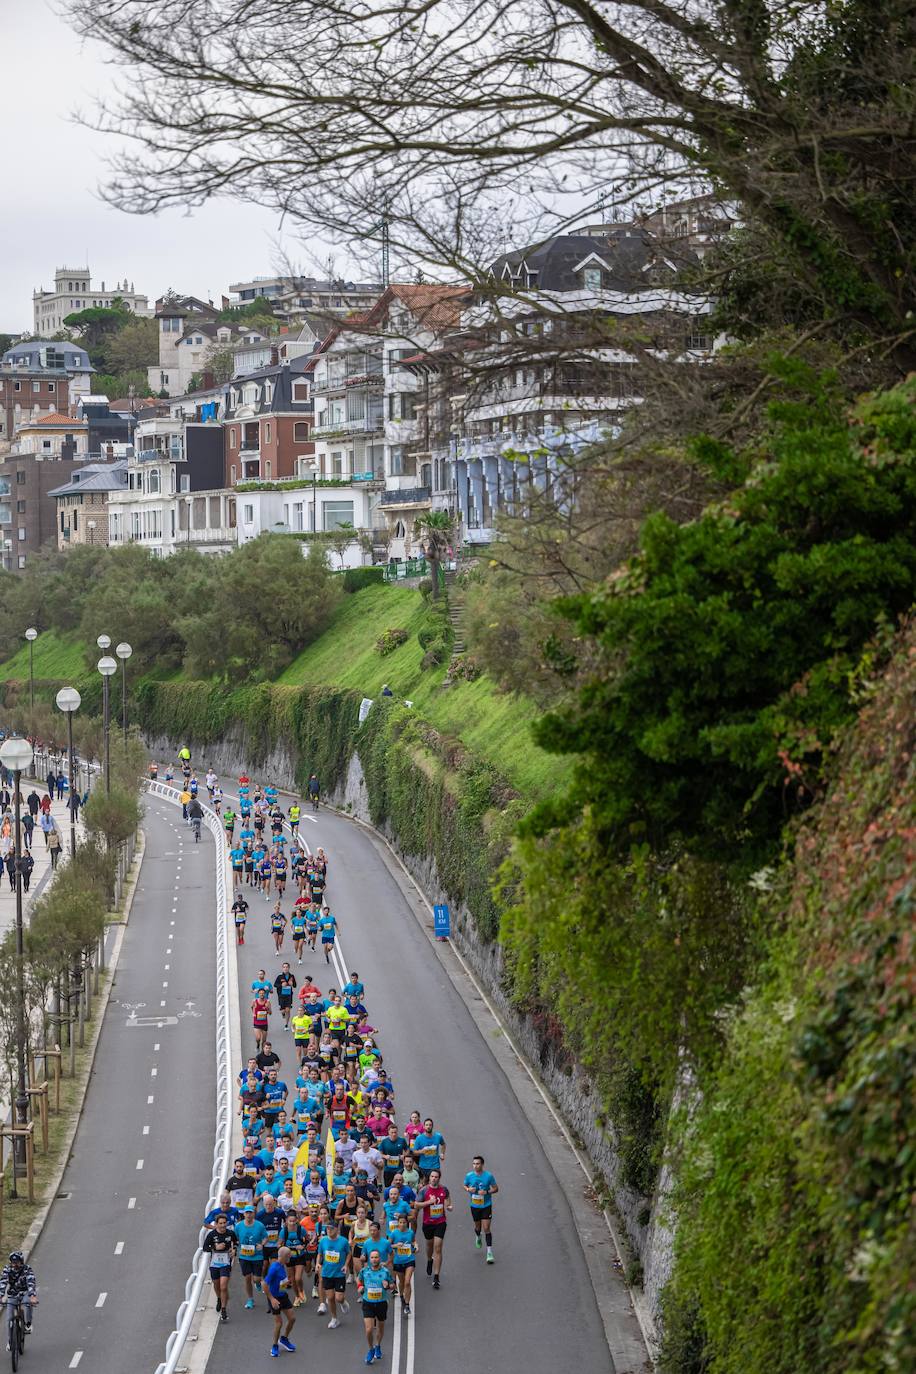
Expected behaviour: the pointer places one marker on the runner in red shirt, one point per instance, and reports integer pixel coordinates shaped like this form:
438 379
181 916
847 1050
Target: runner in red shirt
433 1202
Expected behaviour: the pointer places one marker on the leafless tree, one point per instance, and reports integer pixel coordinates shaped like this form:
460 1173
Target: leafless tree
466 122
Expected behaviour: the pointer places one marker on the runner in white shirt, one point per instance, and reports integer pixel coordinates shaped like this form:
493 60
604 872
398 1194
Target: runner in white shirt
369 1158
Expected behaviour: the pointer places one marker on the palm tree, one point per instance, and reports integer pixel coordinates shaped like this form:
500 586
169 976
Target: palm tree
435 528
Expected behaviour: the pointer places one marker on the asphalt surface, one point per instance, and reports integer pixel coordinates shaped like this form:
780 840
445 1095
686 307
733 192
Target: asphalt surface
534 1310
117 1245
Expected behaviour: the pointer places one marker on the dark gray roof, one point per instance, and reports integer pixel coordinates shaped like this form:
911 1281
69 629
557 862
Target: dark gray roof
30 354
94 477
633 258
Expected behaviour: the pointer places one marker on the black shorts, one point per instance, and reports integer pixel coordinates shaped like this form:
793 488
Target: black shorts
285 1303
376 1311
270 1253
220 1271
299 1257
481 1213
389 1176
431 1229
336 1285
252 1267
285 999
402 1268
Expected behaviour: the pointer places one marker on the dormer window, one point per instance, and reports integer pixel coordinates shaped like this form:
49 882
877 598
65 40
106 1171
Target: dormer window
591 278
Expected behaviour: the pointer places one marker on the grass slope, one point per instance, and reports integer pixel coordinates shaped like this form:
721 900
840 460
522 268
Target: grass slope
493 724
56 656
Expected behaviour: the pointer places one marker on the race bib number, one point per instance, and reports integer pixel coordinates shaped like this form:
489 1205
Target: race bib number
403 1249
375 1292
436 1211
247 1251
219 1259
332 1256
478 1199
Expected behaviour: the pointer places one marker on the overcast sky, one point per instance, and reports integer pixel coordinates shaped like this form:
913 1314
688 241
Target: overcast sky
53 216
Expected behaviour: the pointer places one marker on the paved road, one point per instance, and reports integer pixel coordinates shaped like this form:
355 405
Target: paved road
534 1310
119 1230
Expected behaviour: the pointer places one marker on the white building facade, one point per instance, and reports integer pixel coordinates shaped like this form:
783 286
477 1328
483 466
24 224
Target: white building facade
74 291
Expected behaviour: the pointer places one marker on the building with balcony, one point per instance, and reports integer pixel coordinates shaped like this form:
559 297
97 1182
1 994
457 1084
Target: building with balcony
268 423
294 298
82 503
73 291
174 494
302 507
41 379
28 510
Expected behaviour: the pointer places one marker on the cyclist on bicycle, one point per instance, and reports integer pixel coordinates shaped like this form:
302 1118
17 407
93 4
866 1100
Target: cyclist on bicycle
195 816
17 1282
314 789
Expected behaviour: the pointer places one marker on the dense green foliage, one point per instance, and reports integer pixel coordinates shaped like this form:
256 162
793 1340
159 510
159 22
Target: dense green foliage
730 641
241 617
800 1168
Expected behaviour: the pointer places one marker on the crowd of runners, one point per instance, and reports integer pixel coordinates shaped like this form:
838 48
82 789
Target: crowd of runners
337 1188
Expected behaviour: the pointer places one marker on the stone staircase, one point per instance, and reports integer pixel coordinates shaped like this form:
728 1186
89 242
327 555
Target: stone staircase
456 598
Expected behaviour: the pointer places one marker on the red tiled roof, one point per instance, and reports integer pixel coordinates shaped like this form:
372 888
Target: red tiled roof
55 419
435 304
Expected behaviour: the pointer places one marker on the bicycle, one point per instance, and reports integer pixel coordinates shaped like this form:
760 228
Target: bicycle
315 801
15 1329
195 826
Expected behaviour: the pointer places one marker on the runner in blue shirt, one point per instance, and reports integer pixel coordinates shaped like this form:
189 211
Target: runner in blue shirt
327 925
403 1248
276 1282
250 1234
262 983
333 1249
353 988
480 1185
237 856
373 1285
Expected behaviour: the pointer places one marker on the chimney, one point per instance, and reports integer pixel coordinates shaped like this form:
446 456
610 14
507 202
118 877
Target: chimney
274 355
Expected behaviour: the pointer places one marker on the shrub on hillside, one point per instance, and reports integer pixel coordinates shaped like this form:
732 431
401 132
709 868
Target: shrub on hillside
390 640
354 579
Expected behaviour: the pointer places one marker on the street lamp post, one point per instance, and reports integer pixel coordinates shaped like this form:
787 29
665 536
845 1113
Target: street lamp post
106 667
124 652
68 701
31 635
16 755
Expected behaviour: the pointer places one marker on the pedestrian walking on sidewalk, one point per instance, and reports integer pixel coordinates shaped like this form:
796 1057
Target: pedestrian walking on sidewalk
28 825
54 846
26 864
10 863
61 784
51 780
47 826
33 802
45 804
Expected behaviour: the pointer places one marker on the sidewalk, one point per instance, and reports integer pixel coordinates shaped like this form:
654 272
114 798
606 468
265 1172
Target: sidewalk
41 873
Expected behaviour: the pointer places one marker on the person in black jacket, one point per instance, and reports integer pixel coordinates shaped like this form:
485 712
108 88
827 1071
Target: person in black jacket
26 864
51 780
10 862
33 802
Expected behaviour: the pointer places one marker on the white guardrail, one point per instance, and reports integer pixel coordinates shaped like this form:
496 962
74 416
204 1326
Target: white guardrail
222 1151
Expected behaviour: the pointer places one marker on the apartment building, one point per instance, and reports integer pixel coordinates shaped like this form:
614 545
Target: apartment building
188 329
41 379
175 493
74 291
268 423
82 502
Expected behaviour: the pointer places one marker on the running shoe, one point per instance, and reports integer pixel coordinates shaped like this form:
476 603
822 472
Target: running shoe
219 1305
370 1357
321 1310
436 1281
275 1351
287 1344
405 1308
250 1302
429 1267
491 1259
333 1324
477 1242
345 1307
377 1352
224 1315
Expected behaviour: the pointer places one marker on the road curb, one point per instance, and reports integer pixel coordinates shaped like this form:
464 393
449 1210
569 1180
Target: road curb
35 1230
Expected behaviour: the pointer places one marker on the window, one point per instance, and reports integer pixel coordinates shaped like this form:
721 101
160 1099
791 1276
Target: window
233 438
21 532
267 468
300 431
300 391
17 386
36 387
232 474
52 386
20 507
592 278
267 433
20 477
396 453
153 482
46 445
76 520
337 464
248 515
336 513
21 560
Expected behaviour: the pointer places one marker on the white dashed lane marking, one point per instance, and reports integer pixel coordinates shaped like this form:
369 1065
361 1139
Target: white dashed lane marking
119 1248
131 1203
77 1356
100 1300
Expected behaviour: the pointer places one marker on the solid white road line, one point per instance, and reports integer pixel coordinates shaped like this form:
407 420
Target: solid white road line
100 1300
395 1323
411 1334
